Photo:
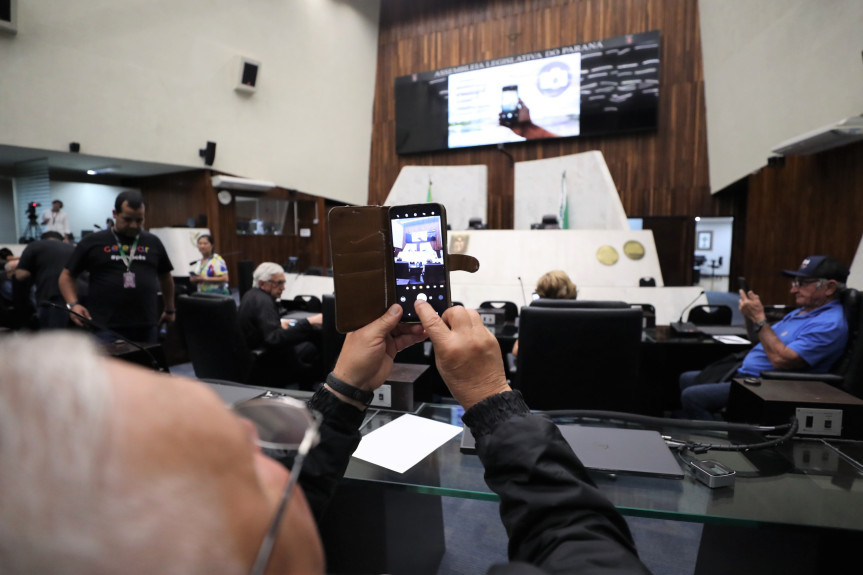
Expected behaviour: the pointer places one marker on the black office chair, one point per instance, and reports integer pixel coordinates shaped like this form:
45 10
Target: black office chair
314 271
509 308
550 222
245 271
847 372
213 337
647 282
476 224
434 274
309 303
578 303
580 358
648 314
710 315
402 270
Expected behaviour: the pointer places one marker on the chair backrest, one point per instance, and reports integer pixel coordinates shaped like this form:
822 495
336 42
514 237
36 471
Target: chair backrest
580 358
710 315
331 339
433 274
578 303
402 269
647 282
245 270
309 303
850 365
213 337
509 308
648 314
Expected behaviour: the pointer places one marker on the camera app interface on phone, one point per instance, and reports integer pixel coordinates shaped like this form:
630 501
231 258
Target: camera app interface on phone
418 256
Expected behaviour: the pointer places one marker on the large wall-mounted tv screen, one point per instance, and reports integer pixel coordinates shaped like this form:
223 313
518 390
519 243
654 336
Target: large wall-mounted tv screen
592 89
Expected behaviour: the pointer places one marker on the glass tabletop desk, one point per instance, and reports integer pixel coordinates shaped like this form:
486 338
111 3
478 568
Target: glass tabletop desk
804 482
794 508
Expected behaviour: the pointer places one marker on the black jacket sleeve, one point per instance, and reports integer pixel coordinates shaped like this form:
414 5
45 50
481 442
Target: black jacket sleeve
556 519
326 462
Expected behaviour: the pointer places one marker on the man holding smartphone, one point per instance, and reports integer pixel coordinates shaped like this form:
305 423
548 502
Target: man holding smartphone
811 338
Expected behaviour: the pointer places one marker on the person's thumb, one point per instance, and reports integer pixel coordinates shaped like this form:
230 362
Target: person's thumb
431 321
388 322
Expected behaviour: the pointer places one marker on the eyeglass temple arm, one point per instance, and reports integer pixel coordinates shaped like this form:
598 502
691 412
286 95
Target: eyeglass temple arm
266 549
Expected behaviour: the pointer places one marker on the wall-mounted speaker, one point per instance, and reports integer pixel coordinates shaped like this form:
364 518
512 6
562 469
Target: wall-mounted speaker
74 147
208 153
9 16
248 80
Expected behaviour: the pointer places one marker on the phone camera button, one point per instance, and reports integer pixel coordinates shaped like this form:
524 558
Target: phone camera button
422 297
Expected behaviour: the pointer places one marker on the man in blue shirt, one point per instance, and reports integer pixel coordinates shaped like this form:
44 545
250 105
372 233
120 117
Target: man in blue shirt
810 339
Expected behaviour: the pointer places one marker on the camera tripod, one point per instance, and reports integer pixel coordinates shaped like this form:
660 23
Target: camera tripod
32 232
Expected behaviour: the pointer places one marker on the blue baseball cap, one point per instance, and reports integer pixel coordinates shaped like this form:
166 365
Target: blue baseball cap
820 267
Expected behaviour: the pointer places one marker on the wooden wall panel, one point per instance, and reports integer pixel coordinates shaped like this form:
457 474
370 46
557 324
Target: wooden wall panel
811 205
664 172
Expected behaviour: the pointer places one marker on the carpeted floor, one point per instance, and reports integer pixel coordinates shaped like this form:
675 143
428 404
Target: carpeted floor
476 540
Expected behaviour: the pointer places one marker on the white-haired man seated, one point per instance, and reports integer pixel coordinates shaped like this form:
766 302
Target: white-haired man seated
291 348
108 468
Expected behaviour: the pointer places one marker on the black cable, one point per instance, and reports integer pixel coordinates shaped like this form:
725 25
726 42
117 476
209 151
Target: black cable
95 327
789 428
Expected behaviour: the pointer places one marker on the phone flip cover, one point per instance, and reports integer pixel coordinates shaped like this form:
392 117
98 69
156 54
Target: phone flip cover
363 275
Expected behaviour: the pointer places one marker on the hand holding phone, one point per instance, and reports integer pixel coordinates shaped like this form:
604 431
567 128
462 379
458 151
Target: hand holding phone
509 106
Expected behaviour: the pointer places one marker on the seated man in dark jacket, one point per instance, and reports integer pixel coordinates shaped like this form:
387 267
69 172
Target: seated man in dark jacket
290 346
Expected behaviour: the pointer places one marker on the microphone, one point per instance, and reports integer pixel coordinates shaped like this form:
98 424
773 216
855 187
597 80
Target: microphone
97 226
97 327
685 327
524 299
193 262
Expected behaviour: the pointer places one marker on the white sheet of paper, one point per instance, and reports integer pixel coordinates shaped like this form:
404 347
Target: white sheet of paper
404 442
730 339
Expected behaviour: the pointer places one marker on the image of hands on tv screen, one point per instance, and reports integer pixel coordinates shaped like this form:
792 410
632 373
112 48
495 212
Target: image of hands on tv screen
517 102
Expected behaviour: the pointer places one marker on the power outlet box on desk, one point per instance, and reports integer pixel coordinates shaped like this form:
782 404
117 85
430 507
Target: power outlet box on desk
398 391
821 409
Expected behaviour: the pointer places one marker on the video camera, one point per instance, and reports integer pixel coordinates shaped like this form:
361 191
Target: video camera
31 209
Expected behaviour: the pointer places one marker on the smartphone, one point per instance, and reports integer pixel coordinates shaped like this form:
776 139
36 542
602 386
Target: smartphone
509 106
743 284
419 257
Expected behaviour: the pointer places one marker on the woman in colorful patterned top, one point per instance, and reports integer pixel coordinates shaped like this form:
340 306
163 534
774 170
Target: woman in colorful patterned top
211 272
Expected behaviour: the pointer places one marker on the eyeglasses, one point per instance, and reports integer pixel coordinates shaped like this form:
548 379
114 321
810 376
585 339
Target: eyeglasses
284 425
278 283
797 282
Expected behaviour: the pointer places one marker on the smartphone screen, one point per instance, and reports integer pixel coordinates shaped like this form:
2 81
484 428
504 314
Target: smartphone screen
419 257
509 99
509 105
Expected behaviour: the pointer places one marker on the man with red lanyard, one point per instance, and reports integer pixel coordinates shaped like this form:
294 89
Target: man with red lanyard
128 266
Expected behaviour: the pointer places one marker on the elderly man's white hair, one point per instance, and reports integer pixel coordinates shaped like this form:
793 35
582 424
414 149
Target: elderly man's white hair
265 272
67 506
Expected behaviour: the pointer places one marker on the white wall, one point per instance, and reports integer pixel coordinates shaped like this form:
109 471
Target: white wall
773 70
154 80
85 204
